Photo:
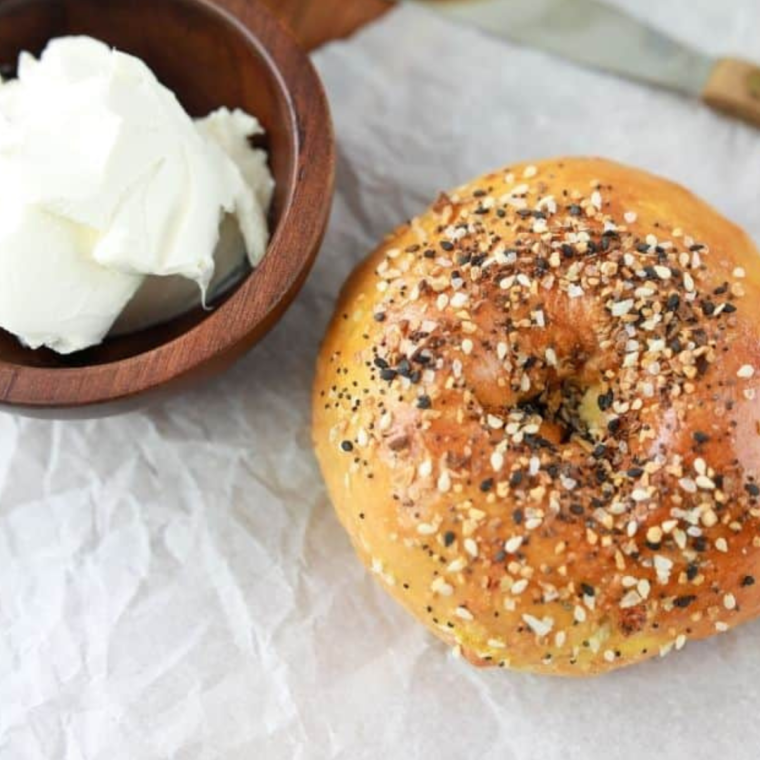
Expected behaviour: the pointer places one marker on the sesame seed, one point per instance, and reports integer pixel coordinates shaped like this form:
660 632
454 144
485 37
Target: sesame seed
654 535
439 586
513 544
662 566
709 518
705 483
458 300
631 599
621 308
471 547
746 371
540 627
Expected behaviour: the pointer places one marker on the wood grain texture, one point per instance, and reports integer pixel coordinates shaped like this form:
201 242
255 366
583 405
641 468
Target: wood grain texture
209 61
315 22
734 89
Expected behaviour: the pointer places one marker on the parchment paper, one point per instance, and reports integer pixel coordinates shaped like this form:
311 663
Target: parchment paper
173 584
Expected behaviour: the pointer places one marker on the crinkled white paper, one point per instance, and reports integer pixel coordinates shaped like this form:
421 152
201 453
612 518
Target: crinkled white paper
173 583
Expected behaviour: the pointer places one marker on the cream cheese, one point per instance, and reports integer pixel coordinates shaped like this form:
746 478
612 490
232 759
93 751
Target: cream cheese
106 181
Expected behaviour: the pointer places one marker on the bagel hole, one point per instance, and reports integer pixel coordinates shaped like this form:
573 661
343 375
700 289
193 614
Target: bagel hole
568 409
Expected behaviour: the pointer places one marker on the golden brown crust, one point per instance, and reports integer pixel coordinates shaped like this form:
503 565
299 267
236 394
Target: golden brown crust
537 414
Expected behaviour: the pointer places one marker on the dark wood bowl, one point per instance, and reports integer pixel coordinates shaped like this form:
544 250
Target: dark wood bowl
231 53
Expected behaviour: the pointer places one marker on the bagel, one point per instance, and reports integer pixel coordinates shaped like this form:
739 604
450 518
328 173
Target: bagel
537 414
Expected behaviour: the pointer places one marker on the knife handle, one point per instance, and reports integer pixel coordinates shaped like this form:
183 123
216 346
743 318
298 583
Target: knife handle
734 88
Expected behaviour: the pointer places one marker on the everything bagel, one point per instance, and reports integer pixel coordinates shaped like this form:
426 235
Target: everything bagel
537 413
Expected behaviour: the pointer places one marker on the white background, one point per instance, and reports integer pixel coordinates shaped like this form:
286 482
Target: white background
173 584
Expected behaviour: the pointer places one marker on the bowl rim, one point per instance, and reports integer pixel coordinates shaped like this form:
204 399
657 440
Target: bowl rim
243 319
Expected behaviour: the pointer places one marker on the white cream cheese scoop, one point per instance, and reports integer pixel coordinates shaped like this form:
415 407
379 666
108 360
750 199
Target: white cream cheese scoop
106 181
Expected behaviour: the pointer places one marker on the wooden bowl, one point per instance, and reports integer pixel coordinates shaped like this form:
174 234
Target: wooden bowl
225 53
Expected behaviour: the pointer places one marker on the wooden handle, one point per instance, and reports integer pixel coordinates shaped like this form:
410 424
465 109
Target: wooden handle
315 22
734 88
